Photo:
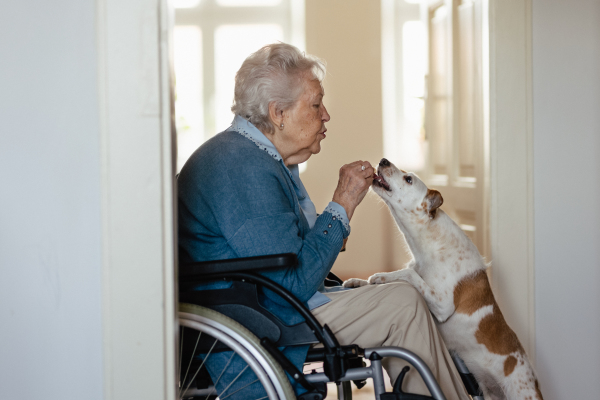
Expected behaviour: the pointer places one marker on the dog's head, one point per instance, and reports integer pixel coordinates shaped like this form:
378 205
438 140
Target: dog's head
404 191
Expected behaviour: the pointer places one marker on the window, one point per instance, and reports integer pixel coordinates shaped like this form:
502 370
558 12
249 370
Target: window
212 38
404 58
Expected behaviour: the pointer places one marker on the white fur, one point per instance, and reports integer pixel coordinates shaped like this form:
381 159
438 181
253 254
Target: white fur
443 255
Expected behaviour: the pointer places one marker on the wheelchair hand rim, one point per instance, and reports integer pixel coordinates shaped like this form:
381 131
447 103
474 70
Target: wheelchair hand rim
241 346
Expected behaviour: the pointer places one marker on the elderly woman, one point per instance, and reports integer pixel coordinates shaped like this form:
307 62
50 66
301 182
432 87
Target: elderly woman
240 195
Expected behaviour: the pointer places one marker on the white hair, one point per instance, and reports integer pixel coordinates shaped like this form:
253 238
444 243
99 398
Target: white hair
274 74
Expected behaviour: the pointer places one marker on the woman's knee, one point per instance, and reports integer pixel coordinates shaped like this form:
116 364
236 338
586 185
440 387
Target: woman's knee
404 293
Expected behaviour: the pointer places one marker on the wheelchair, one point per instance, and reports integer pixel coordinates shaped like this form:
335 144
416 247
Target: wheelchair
222 325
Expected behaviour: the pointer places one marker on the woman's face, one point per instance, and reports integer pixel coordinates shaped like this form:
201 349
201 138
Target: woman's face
304 125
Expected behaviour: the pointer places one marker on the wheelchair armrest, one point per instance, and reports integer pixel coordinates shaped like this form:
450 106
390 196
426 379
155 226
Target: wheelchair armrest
254 264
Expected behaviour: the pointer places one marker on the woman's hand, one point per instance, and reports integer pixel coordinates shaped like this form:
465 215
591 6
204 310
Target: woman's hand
353 185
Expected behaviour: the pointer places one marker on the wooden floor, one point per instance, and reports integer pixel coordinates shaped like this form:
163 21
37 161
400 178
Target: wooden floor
366 393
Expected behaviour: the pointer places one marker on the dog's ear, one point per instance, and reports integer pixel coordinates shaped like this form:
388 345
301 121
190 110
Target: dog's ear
434 200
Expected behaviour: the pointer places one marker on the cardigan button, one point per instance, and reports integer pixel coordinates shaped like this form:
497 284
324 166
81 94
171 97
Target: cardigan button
324 232
333 218
329 226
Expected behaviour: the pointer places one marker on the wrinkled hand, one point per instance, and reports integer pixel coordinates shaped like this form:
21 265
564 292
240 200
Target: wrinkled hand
353 185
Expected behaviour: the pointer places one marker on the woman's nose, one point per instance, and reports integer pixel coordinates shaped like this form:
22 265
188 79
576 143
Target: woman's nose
325 117
384 162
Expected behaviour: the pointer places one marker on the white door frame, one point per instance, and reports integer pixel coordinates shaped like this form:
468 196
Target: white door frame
138 316
511 164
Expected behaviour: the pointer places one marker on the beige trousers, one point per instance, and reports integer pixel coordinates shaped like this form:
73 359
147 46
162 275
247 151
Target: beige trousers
393 314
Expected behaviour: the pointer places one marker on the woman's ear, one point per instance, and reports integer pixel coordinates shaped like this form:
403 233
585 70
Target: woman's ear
434 200
276 115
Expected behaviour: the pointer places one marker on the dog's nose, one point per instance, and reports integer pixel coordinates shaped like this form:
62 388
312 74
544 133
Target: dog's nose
384 162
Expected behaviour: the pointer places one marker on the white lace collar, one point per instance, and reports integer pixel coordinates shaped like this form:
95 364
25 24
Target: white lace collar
249 131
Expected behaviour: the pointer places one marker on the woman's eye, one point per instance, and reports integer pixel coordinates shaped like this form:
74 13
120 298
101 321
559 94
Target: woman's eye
408 179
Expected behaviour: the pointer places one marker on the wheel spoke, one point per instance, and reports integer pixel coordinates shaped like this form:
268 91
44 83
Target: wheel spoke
243 387
222 372
267 380
199 368
232 382
191 358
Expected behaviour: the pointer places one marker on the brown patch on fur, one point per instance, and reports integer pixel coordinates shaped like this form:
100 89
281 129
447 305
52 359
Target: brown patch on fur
495 334
509 365
472 293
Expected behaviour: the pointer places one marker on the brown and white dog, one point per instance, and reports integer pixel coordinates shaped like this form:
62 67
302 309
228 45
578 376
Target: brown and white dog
450 274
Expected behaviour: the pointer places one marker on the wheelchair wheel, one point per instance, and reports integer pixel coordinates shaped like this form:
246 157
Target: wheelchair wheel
344 391
218 357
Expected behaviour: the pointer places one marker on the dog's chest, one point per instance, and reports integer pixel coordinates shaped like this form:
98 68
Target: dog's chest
439 277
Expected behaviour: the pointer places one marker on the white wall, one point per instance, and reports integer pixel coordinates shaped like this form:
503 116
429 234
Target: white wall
50 216
566 98
347 35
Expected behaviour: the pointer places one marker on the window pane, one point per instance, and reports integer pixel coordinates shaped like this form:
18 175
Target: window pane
414 51
247 3
233 43
188 90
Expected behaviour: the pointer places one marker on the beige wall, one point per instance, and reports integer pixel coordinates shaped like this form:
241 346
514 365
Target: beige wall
347 35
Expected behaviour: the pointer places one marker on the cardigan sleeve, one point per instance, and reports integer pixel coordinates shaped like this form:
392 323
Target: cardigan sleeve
235 200
247 207
263 218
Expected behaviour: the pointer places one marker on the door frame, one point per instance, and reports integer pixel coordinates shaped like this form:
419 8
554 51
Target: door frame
510 128
137 165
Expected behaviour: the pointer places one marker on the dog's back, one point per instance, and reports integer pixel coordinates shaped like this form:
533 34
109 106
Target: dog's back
478 332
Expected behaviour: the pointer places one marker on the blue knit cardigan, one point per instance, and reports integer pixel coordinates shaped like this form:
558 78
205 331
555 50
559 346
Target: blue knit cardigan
236 200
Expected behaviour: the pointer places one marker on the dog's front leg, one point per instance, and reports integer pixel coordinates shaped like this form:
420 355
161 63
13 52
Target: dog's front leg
440 304
354 282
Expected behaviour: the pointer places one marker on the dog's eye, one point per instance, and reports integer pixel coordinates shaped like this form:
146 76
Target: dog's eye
408 179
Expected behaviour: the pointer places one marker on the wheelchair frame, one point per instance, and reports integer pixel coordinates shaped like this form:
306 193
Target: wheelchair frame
337 359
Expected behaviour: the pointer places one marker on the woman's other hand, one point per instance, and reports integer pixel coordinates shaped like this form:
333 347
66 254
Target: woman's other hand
353 185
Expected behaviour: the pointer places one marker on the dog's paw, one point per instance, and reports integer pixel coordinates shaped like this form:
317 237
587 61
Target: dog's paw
379 278
355 282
